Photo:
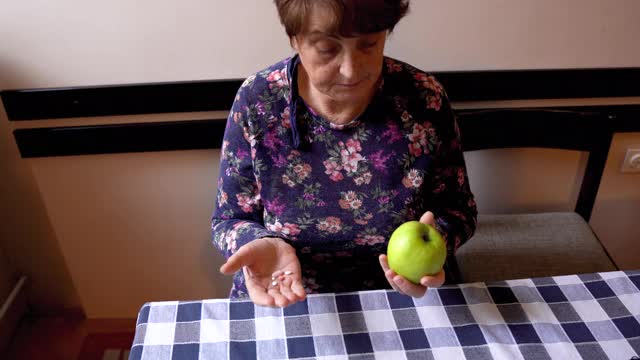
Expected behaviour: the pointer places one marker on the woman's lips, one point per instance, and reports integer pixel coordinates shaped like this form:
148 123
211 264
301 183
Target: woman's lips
350 85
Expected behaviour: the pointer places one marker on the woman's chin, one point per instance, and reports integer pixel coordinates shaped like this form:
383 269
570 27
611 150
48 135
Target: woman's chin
348 95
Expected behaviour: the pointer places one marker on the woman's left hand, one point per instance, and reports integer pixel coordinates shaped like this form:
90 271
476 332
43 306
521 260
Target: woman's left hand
405 286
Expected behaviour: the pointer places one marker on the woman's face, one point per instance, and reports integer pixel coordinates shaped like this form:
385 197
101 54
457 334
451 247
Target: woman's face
344 69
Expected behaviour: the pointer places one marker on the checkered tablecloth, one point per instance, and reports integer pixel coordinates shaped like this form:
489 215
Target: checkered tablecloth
591 316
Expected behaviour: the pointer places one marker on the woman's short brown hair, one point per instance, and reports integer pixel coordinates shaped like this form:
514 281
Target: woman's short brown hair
350 17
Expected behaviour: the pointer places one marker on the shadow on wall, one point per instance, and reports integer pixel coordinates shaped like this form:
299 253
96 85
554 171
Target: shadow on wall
211 259
525 180
7 275
626 212
26 233
13 76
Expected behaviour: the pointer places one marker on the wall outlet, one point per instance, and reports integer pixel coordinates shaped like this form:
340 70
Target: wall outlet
631 161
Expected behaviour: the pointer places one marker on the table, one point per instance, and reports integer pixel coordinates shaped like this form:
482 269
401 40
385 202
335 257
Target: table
590 316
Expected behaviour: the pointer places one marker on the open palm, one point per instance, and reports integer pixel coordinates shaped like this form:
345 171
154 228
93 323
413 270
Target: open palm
260 260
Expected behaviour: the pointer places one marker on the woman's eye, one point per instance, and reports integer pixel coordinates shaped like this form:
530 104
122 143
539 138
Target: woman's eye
369 45
327 51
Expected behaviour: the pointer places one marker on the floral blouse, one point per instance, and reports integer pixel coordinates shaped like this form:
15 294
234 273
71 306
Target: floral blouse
337 192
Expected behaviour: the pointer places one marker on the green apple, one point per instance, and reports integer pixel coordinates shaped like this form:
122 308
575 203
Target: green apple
415 250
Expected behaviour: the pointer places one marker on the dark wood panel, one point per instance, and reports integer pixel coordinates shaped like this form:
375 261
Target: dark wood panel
105 139
541 84
130 99
523 127
532 124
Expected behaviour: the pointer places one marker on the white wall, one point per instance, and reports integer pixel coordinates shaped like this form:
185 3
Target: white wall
135 227
130 228
86 42
26 235
522 34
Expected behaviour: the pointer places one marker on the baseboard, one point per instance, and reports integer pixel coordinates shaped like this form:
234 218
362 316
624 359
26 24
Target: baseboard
11 312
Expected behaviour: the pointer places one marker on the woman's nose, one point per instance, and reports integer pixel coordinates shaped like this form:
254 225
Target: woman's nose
350 67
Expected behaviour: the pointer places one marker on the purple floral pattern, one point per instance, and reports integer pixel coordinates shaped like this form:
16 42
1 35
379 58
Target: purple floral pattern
336 193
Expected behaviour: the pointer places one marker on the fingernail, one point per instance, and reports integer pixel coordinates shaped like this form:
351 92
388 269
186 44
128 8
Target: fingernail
399 281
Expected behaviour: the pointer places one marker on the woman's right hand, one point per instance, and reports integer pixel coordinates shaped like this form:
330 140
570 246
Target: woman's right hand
260 260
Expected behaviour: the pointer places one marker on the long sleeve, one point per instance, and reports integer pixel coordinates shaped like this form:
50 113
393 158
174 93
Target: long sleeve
451 199
238 216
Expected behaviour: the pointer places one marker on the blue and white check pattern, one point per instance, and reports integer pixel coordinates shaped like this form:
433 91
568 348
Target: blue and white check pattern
591 316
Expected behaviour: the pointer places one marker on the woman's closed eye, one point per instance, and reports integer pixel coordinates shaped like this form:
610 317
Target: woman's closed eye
369 45
327 49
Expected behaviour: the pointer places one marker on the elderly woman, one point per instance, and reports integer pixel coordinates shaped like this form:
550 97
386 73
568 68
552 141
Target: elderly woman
327 152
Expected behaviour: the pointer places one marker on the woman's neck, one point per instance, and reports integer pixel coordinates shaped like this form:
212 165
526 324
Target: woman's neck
334 111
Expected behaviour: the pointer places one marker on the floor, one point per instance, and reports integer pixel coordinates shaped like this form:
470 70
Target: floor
60 337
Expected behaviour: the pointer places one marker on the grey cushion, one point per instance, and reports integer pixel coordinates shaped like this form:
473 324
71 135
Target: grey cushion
531 245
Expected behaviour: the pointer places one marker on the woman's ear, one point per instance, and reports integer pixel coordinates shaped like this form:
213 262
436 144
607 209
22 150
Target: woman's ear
294 43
